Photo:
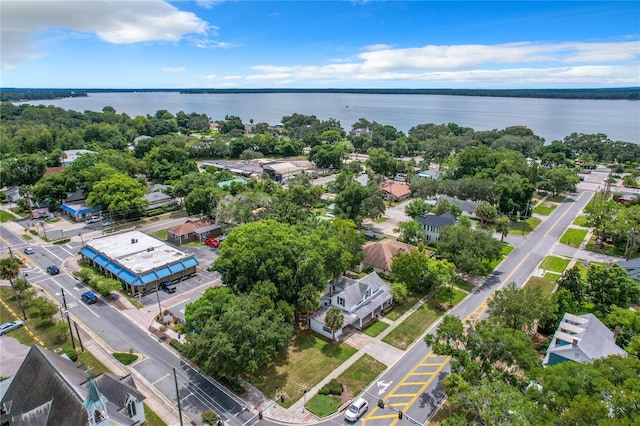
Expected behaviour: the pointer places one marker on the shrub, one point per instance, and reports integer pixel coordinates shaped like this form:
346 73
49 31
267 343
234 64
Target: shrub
209 417
62 241
125 358
177 345
332 388
33 232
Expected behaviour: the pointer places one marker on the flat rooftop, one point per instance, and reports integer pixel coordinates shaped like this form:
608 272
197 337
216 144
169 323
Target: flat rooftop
136 251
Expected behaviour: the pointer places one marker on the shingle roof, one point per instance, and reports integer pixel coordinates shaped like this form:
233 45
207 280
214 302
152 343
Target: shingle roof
50 390
189 226
445 219
582 339
380 254
396 189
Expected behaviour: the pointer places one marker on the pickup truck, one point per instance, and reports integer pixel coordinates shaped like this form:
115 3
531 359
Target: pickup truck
214 242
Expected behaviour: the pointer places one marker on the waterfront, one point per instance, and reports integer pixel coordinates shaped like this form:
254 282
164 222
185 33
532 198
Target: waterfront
552 119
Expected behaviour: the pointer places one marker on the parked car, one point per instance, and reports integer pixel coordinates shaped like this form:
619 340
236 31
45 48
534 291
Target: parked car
53 270
89 297
212 242
108 223
356 410
94 219
28 250
10 326
168 286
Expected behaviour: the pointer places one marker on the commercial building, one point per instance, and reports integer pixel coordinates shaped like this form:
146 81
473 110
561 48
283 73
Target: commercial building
138 260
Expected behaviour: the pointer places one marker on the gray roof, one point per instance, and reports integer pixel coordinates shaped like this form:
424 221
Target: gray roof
445 219
353 290
49 389
465 205
582 338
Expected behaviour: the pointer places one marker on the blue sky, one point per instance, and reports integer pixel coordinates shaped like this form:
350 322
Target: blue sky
319 44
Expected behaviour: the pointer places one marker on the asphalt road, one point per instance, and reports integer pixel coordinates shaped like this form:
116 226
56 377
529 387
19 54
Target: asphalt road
197 392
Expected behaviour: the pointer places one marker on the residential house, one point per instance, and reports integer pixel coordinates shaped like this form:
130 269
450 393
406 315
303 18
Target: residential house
632 267
72 155
158 200
51 390
361 302
467 207
581 339
193 231
432 224
379 254
395 191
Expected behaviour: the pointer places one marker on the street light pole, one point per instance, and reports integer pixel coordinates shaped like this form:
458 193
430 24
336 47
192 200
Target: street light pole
159 307
81 239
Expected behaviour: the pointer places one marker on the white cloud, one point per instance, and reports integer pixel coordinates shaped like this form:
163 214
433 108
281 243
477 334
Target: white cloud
174 69
538 63
114 22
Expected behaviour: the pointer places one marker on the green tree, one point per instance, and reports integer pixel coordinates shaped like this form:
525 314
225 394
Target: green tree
503 225
571 280
416 208
308 301
381 162
629 181
449 336
327 156
506 307
420 272
487 212
202 200
399 292
468 248
61 328
120 194
168 162
9 269
410 232
610 286
558 180
334 320
45 308
22 170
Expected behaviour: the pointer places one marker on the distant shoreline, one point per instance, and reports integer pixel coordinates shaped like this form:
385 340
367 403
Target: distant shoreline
622 93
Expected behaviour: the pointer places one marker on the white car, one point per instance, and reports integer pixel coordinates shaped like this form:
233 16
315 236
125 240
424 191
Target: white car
10 326
356 410
28 250
94 219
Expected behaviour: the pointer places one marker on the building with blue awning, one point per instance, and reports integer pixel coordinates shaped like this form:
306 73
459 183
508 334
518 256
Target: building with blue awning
139 261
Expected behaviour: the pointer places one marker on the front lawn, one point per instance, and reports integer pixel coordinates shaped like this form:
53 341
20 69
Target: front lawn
162 234
525 227
555 264
573 236
376 328
381 219
308 360
544 209
581 221
399 309
353 379
420 320
546 283
5 216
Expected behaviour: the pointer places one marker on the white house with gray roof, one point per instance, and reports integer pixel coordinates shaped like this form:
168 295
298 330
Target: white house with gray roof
432 224
361 301
581 338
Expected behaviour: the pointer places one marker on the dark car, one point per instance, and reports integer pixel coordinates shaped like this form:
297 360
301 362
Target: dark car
168 286
89 298
53 270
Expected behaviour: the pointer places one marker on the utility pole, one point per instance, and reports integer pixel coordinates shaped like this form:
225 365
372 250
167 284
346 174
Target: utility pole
66 313
159 307
175 379
78 333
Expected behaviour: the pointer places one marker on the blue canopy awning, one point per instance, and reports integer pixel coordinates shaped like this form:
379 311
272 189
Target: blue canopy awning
176 267
113 268
163 272
148 278
188 263
88 252
101 260
127 276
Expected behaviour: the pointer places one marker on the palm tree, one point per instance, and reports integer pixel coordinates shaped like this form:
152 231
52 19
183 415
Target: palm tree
334 320
308 301
9 269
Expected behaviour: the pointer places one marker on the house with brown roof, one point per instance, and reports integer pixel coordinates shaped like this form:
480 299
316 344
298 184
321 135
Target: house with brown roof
395 191
193 231
379 254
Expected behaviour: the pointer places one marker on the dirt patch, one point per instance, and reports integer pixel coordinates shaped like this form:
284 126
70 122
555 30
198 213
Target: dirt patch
347 395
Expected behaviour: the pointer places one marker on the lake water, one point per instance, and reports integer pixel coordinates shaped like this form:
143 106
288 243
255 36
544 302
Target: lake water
553 119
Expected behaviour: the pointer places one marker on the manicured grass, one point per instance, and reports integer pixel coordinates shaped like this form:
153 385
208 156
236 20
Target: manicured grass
464 285
308 360
400 308
27 237
376 328
418 322
193 244
525 227
151 418
544 283
162 234
324 405
381 219
37 330
5 216
580 221
557 199
353 379
544 209
125 358
608 249
555 264
573 236
504 252
19 213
